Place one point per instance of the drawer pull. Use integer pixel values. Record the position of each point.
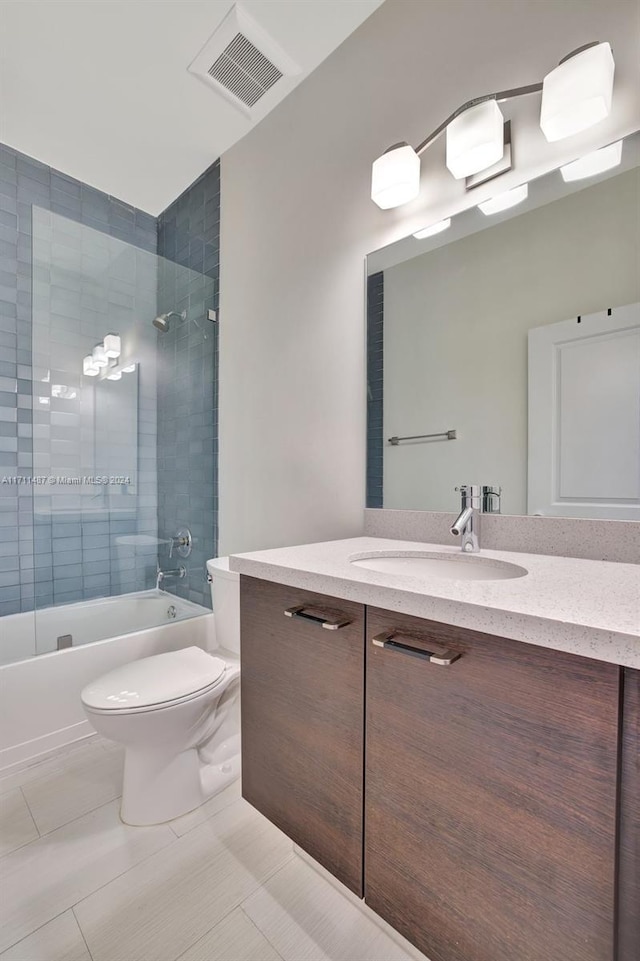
(438, 656)
(329, 623)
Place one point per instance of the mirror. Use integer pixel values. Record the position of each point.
(505, 351)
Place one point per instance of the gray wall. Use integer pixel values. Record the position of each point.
(24, 183)
(189, 237)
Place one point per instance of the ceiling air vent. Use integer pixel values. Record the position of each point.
(243, 63)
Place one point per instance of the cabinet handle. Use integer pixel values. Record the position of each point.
(329, 623)
(440, 656)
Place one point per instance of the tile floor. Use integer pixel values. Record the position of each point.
(219, 884)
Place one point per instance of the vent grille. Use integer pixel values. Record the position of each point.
(244, 71)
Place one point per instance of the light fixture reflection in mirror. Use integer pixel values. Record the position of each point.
(593, 163)
(434, 229)
(505, 200)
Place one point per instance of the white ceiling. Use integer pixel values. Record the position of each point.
(99, 88)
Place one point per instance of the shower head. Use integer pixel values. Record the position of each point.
(162, 321)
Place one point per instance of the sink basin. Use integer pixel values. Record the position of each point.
(450, 567)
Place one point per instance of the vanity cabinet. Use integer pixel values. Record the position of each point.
(302, 697)
(629, 868)
(499, 780)
(490, 812)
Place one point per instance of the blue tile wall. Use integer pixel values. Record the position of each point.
(375, 388)
(189, 237)
(28, 575)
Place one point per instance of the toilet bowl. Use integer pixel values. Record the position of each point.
(177, 715)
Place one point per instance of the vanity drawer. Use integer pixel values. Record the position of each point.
(302, 719)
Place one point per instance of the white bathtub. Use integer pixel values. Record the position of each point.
(37, 632)
(40, 695)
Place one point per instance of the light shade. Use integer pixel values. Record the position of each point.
(593, 163)
(577, 94)
(99, 356)
(116, 375)
(505, 200)
(395, 176)
(433, 229)
(89, 368)
(475, 139)
(112, 345)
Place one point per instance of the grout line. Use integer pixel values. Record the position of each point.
(24, 798)
(236, 907)
(103, 803)
(132, 867)
(209, 817)
(32, 772)
(10, 947)
(261, 932)
(81, 933)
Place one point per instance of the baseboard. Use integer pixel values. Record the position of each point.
(401, 941)
(21, 755)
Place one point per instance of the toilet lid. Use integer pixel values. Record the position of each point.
(154, 680)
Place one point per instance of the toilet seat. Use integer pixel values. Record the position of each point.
(154, 683)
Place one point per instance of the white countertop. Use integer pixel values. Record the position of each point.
(590, 608)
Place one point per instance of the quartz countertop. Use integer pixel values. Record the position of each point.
(585, 607)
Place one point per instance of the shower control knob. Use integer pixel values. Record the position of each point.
(182, 543)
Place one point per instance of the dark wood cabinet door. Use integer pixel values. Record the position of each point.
(490, 817)
(629, 862)
(303, 721)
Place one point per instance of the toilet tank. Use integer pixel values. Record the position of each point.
(225, 596)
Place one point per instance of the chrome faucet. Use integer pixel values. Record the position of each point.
(160, 574)
(467, 524)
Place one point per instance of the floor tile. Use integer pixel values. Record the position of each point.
(160, 908)
(78, 785)
(234, 939)
(39, 767)
(222, 800)
(16, 824)
(306, 918)
(44, 878)
(59, 940)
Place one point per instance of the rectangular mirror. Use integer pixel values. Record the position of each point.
(505, 351)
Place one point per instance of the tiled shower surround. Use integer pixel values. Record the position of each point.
(70, 555)
(189, 236)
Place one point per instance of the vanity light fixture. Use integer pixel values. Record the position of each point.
(112, 345)
(509, 198)
(593, 163)
(63, 392)
(475, 139)
(89, 367)
(116, 375)
(434, 229)
(395, 176)
(129, 370)
(575, 95)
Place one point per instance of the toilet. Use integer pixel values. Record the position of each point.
(177, 715)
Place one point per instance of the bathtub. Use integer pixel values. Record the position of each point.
(40, 706)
